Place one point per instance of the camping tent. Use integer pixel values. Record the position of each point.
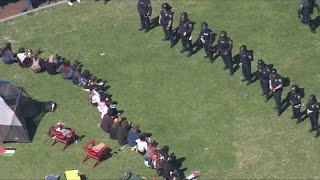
(17, 113)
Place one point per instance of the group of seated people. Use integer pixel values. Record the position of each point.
(118, 128)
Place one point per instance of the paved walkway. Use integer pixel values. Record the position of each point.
(12, 8)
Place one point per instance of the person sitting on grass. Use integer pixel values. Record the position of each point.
(65, 70)
(142, 145)
(36, 67)
(106, 123)
(51, 66)
(85, 77)
(133, 135)
(150, 157)
(122, 133)
(23, 59)
(114, 128)
(7, 54)
(76, 76)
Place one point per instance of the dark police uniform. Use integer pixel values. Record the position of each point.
(295, 100)
(263, 73)
(306, 10)
(224, 47)
(276, 81)
(187, 27)
(205, 37)
(166, 17)
(245, 60)
(145, 11)
(313, 116)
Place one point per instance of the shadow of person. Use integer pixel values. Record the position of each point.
(286, 81)
(316, 22)
(154, 23)
(236, 61)
(286, 102)
(175, 36)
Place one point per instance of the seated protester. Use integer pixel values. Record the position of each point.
(133, 135)
(142, 145)
(114, 128)
(36, 63)
(7, 54)
(23, 59)
(91, 84)
(85, 77)
(76, 76)
(58, 60)
(122, 133)
(163, 157)
(106, 123)
(150, 158)
(65, 70)
(51, 66)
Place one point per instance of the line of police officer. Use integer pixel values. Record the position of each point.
(271, 82)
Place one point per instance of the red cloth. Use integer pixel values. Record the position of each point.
(2, 150)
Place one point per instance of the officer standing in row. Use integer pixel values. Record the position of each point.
(205, 38)
(295, 101)
(275, 85)
(145, 11)
(245, 62)
(166, 20)
(224, 48)
(185, 29)
(306, 10)
(313, 113)
(263, 72)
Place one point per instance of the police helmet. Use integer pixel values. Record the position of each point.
(184, 16)
(261, 62)
(312, 98)
(166, 6)
(294, 88)
(243, 48)
(204, 26)
(274, 72)
(223, 34)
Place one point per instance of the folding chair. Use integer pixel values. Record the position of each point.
(97, 152)
(64, 136)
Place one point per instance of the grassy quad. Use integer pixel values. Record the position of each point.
(218, 124)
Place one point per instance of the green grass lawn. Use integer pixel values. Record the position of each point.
(212, 121)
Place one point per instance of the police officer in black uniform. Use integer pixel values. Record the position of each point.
(275, 85)
(185, 29)
(166, 20)
(145, 11)
(205, 38)
(295, 101)
(263, 73)
(306, 10)
(245, 63)
(313, 113)
(224, 48)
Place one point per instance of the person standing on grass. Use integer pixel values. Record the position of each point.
(306, 10)
(185, 29)
(263, 72)
(275, 86)
(245, 62)
(145, 11)
(313, 113)
(224, 49)
(206, 38)
(166, 20)
(295, 101)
